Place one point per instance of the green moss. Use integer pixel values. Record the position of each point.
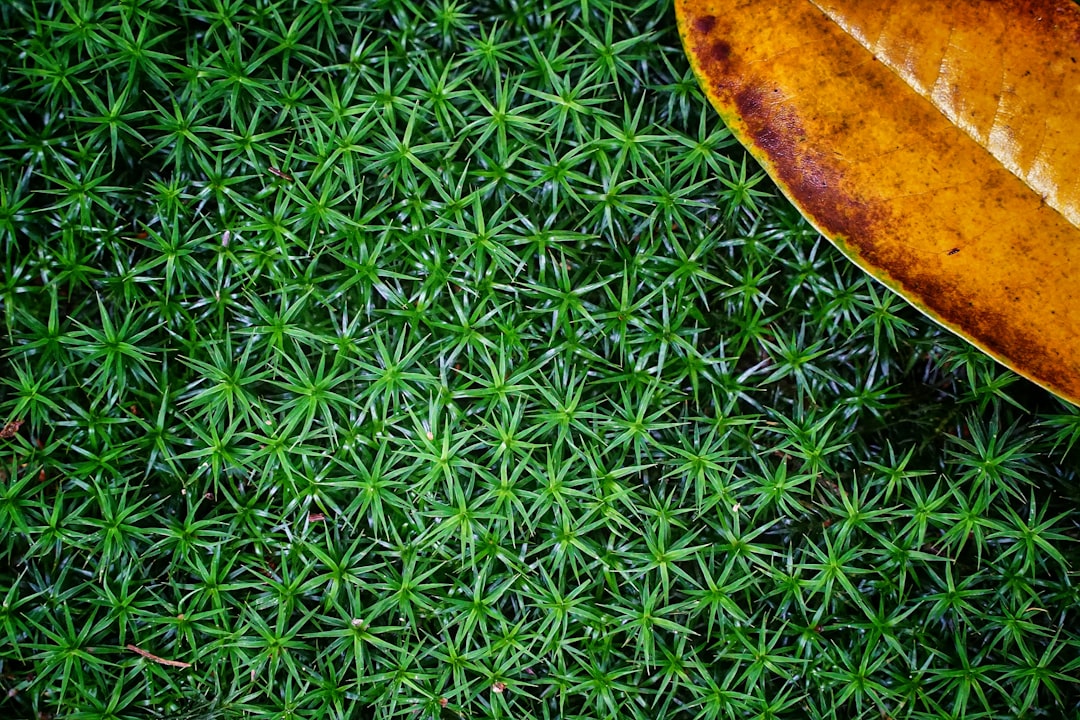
(396, 359)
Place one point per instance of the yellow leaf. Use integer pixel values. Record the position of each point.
(935, 142)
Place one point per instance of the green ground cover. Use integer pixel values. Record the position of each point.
(437, 359)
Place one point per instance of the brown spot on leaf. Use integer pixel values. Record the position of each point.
(720, 51)
(812, 178)
(748, 100)
(705, 24)
(770, 141)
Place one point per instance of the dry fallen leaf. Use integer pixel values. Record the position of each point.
(935, 142)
